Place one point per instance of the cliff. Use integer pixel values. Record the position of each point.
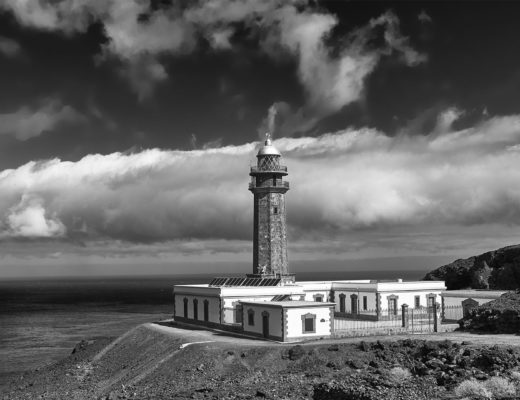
(497, 269)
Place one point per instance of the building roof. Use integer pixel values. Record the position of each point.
(477, 293)
(289, 304)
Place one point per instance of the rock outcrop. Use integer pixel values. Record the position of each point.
(501, 315)
(498, 269)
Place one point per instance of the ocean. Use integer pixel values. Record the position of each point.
(42, 320)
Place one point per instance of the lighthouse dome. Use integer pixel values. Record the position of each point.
(268, 149)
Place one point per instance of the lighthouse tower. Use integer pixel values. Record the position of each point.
(270, 230)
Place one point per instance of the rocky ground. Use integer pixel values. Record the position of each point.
(157, 362)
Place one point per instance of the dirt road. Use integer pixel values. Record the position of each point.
(202, 335)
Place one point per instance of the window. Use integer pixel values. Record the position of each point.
(309, 323)
(250, 317)
(392, 304)
(342, 303)
(195, 309)
(417, 301)
(431, 302)
(206, 310)
(275, 210)
(185, 307)
(274, 180)
(318, 298)
(354, 303)
(365, 303)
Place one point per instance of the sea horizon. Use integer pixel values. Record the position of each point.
(43, 319)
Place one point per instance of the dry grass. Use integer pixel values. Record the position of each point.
(472, 389)
(399, 375)
(501, 388)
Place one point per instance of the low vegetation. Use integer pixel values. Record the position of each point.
(147, 364)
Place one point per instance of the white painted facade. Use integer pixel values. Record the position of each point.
(288, 320)
(349, 297)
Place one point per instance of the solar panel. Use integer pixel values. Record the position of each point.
(241, 281)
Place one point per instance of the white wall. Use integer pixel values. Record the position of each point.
(457, 301)
(403, 297)
(275, 319)
(213, 305)
(309, 295)
(229, 315)
(294, 321)
(371, 301)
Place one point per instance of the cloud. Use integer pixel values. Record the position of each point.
(424, 17)
(28, 122)
(332, 78)
(349, 189)
(29, 219)
(141, 36)
(9, 47)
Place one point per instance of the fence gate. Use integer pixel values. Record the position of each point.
(421, 320)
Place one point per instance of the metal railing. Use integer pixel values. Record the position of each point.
(284, 185)
(394, 321)
(272, 168)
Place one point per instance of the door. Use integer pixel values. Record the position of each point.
(265, 325)
(354, 304)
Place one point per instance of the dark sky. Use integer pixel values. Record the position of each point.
(356, 90)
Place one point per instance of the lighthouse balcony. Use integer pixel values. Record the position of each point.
(269, 169)
(269, 185)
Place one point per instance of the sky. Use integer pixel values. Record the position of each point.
(127, 129)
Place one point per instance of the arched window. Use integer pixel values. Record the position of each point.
(354, 303)
(250, 317)
(206, 310)
(185, 300)
(342, 302)
(195, 309)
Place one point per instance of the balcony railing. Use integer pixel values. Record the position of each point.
(279, 168)
(269, 184)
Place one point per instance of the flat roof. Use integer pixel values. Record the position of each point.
(474, 293)
(289, 303)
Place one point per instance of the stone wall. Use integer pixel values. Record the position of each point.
(270, 234)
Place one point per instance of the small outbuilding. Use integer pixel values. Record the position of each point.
(458, 303)
(287, 321)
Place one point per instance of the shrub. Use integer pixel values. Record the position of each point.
(472, 389)
(515, 376)
(399, 375)
(500, 388)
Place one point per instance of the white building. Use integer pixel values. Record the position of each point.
(457, 303)
(270, 302)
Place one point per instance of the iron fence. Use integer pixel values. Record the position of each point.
(394, 321)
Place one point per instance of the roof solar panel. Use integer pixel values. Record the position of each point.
(244, 281)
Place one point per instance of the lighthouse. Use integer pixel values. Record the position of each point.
(270, 229)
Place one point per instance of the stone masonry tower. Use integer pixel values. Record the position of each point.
(270, 231)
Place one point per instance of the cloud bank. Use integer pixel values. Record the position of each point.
(352, 182)
(141, 34)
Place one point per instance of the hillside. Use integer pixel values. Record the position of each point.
(154, 361)
(498, 269)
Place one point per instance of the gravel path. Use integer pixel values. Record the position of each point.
(203, 335)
